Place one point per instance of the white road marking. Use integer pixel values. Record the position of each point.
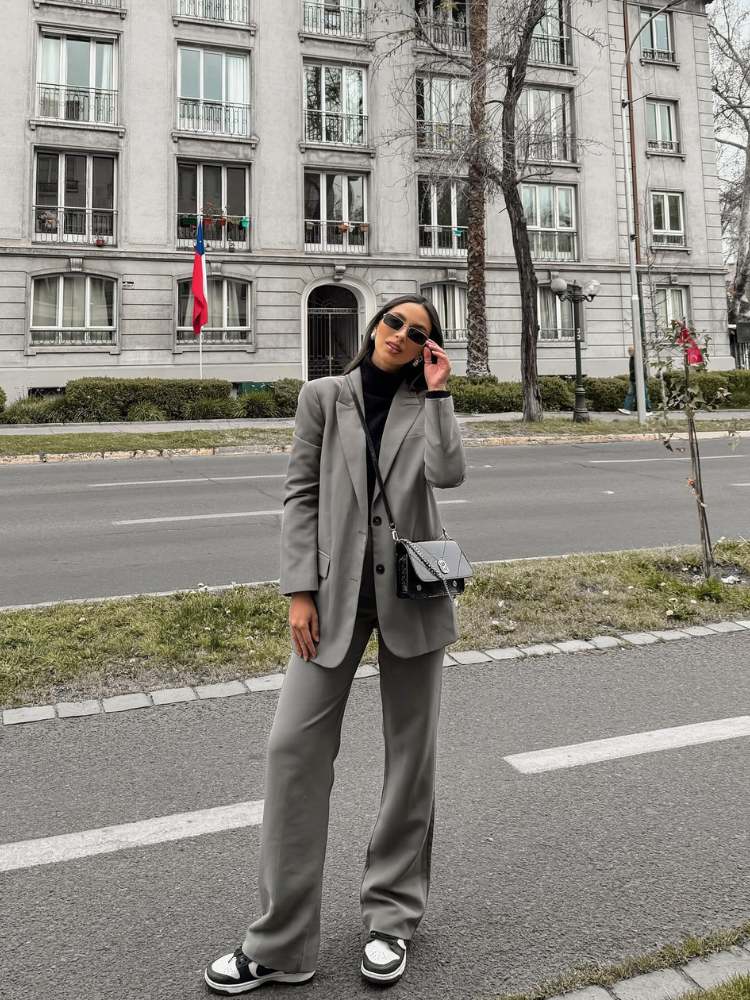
(178, 826)
(630, 461)
(575, 754)
(740, 484)
(167, 482)
(208, 517)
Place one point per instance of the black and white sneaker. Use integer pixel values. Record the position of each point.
(384, 958)
(236, 973)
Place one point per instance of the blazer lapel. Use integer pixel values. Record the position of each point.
(402, 414)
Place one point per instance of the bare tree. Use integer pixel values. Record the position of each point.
(729, 32)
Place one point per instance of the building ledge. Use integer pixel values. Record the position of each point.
(32, 349)
(250, 28)
(665, 153)
(335, 147)
(313, 36)
(35, 123)
(669, 248)
(243, 140)
(563, 67)
(95, 8)
(659, 62)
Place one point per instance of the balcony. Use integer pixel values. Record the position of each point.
(335, 128)
(77, 104)
(442, 241)
(663, 145)
(106, 4)
(441, 137)
(213, 117)
(666, 240)
(550, 244)
(552, 146)
(445, 34)
(555, 50)
(222, 232)
(72, 336)
(336, 236)
(556, 333)
(337, 22)
(236, 335)
(84, 226)
(658, 55)
(219, 11)
(454, 333)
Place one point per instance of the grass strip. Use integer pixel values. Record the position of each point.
(99, 441)
(70, 651)
(667, 957)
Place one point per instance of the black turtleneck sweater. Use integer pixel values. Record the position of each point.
(378, 388)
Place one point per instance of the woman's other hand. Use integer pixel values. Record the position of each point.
(303, 621)
(435, 375)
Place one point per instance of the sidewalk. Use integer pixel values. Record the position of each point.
(141, 426)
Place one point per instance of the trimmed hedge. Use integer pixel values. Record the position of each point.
(52, 410)
(111, 398)
(3, 400)
(145, 411)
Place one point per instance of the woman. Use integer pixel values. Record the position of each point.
(338, 567)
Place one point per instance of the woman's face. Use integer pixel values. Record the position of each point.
(412, 314)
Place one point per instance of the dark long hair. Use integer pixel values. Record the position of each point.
(417, 381)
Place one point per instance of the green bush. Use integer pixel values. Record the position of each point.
(557, 393)
(212, 409)
(111, 398)
(738, 383)
(499, 397)
(285, 392)
(605, 393)
(260, 403)
(3, 400)
(145, 411)
(52, 410)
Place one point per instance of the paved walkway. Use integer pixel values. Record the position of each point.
(131, 427)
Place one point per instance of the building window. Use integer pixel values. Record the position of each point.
(556, 319)
(332, 17)
(335, 104)
(442, 112)
(551, 220)
(656, 38)
(449, 299)
(550, 42)
(72, 309)
(443, 24)
(217, 195)
(443, 217)
(546, 124)
(223, 11)
(213, 92)
(228, 312)
(76, 79)
(661, 126)
(670, 305)
(335, 212)
(74, 198)
(668, 219)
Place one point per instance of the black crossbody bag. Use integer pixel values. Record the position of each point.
(431, 568)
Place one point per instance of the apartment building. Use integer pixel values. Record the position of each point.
(310, 160)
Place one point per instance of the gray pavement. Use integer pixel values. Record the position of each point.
(79, 529)
(532, 873)
(212, 425)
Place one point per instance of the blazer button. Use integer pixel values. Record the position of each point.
(377, 519)
(380, 568)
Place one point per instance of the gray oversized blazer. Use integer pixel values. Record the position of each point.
(324, 522)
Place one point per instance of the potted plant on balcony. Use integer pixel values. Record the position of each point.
(343, 227)
(364, 226)
(100, 241)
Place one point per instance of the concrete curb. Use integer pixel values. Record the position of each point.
(273, 449)
(695, 976)
(272, 682)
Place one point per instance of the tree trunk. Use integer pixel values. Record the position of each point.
(477, 358)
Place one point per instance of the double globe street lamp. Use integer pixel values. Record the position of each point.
(572, 292)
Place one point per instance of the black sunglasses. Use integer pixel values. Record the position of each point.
(413, 333)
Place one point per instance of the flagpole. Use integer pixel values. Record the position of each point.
(200, 335)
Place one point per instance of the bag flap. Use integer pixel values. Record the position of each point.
(441, 555)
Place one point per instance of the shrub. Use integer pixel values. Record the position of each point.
(260, 403)
(557, 393)
(100, 398)
(51, 410)
(285, 392)
(145, 411)
(605, 393)
(212, 409)
(3, 400)
(500, 397)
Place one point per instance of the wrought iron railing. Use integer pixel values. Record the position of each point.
(658, 55)
(664, 145)
(442, 241)
(550, 244)
(335, 127)
(225, 11)
(239, 335)
(213, 117)
(553, 146)
(336, 236)
(556, 333)
(229, 232)
(440, 137)
(60, 224)
(342, 22)
(454, 333)
(446, 34)
(71, 336)
(669, 239)
(110, 4)
(552, 49)
(77, 104)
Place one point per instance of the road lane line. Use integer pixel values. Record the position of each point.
(575, 754)
(197, 479)
(178, 826)
(675, 458)
(208, 517)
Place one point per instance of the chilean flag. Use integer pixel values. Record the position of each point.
(200, 284)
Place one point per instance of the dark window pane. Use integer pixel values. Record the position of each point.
(236, 190)
(423, 197)
(356, 198)
(462, 204)
(444, 204)
(312, 196)
(187, 187)
(184, 304)
(44, 308)
(46, 178)
(75, 181)
(103, 191)
(212, 200)
(334, 202)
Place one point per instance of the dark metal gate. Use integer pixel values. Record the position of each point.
(332, 331)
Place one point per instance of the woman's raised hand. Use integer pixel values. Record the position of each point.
(303, 622)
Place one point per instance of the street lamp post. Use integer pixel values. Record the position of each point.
(572, 292)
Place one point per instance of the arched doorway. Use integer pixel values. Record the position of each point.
(332, 330)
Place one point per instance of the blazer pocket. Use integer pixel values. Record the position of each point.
(324, 561)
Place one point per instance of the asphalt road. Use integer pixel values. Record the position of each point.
(107, 528)
(532, 873)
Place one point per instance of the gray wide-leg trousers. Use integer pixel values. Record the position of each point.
(302, 747)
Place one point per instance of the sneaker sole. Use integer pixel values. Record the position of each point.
(385, 977)
(275, 977)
